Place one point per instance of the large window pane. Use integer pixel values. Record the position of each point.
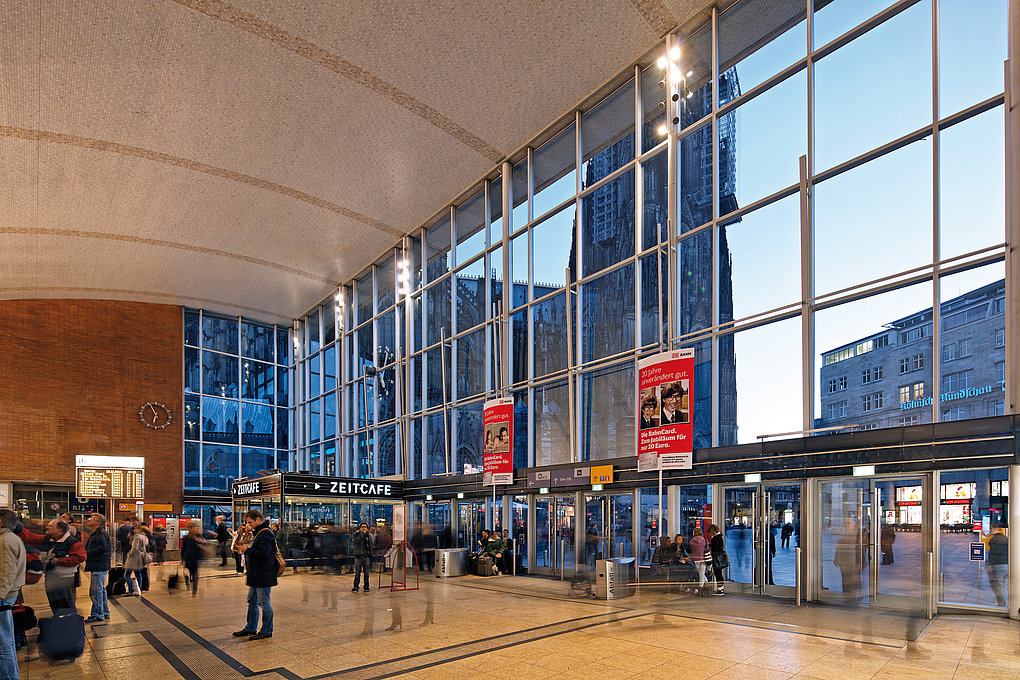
(329, 416)
(283, 385)
(386, 332)
(549, 319)
(653, 107)
(552, 424)
(192, 465)
(386, 390)
(874, 361)
(556, 236)
(364, 297)
(608, 321)
(253, 460)
(435, 377)
(759, 38)
(471, 364)
(385, 281)
(313, 425)
(703, 388)
(694, 179)
(895, 191)
(219, 334)
(694, 282)
(836, 17)
(519, 346)
(220, 466)
(768, 379)
(607, 413)
(329, 369)
(519, 188)
(607, 219)
(471, 309)
(282, 428)
(694, 77)
(438, 313)
(656, 200)
(386, 450)
(555, 171)
(607, 135)
(437, 250)
(192, 371)
(972, 181)
(312, 333)
(219, 374)
(858, 104)
(192, 417)
(257, 381)
(469, 437)
(972, 344)
(256, 424)
(436, 459)
(972, 47)
(759, 284)
(191, 327)
(520, 429)
(283, 347)
(495, 210)
(312, 374)
(519, 269)
(760, 144)
(219, 420)
(257, 341)
(470, 223)
(328, 323)
(653, 309)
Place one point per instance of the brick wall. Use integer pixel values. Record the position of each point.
(75, 373)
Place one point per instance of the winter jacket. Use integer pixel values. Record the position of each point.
(135, 560)
(361, 544)
(12, 564)
(61, 556)
(97, 551)
(260, 559)
(699, 548)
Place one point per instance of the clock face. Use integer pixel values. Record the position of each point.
(155, 415)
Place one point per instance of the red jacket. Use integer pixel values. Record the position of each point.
(67, 551)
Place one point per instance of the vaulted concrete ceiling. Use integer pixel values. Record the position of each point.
(248, 157)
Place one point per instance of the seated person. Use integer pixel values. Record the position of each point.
(495, 548)
(507, 567)
(664, 556)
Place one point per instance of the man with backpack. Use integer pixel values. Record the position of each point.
(12, 577)
(61, 553)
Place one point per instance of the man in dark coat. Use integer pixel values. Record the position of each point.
(124, 537)
(260, 561)
(222, 538)
(98, 551)
(361, 547)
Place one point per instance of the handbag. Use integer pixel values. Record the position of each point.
(147, 558)
(281, 564)
(722, 561)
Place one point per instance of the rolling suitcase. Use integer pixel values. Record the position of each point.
(62, 636)
(485, 565)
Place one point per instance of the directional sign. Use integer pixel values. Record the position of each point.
(977, 552)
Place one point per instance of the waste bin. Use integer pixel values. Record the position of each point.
(451, 562)
(613, 578)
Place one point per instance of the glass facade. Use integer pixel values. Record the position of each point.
(835, 235)
(237, 407)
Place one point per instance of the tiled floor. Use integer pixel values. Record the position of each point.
(519, 628)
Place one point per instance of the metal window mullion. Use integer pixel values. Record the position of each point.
(1012, 235)
(807, 237)
(508, 283)
(936, 307)
(639, 202)
(717, 377)
(672, 218)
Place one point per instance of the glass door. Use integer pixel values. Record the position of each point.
(470, 522)
(762, 535)
(860, 520)
(555, 536)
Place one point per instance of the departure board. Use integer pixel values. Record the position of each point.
(109, 483)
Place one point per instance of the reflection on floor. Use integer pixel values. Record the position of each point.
(518, 627)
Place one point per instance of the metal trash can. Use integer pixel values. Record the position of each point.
(613, 577)
(451, 562)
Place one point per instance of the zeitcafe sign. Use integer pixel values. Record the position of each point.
(319, 487)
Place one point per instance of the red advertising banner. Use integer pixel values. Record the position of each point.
(665, 411)
(498, 441)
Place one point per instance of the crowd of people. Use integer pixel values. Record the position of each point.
(691, 562)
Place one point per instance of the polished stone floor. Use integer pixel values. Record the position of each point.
(518, 627)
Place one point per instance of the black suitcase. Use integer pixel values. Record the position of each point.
(485, 565)
(115, 583)
(62, 636)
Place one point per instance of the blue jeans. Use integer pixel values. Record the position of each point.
(259, 597)
(362, 565)
(97, 591)
(8, 657)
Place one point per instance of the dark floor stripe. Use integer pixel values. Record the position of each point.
(171, 658)
(124, 612)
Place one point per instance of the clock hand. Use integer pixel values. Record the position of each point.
(153, 408)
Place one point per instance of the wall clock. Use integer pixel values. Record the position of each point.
(155, 415)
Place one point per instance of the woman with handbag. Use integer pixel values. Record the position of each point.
(138, 558)
(720, 560)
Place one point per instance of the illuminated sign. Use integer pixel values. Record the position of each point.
(951, 396)
(908, 495)
(91, 482)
